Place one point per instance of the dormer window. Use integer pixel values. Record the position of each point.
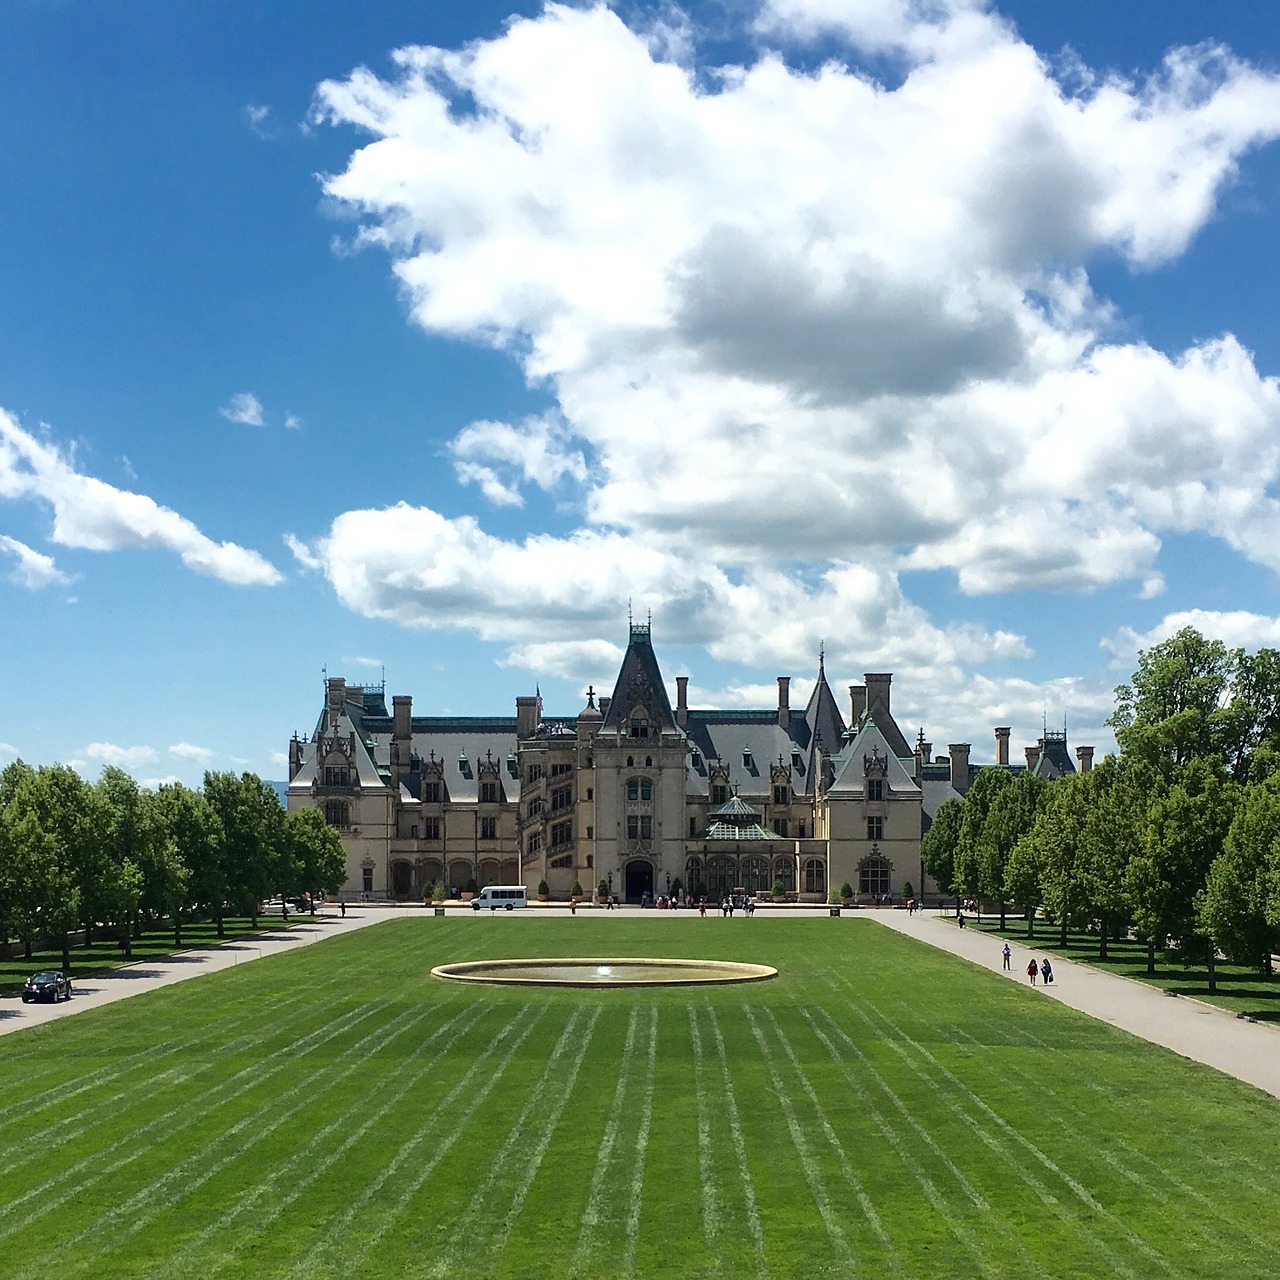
(746, 757)
(875, 788)
(462, 761)
(639, 727)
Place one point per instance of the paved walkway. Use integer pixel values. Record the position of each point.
(1249, 1051)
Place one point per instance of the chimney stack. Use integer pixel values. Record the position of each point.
(1084, 759)
(784, 701)
(682, 700)
(402, 712)
(960, 772)
(337, 695)
(527, 717)
(1002, 744)
(1033, 757)
(877, 685)
(857, 704)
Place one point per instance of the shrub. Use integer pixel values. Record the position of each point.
(603, 888)
(846, 890)
(544, 890)
(576, 891)
(908, 890)
(471, 886)
(779, 889)
(439, 892)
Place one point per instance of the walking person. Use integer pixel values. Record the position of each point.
(1032, 970)
(1008, 955)
(1046, 971)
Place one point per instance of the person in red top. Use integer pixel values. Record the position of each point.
(1032, 970)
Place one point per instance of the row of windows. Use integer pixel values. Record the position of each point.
(337, 775)
(722, 874)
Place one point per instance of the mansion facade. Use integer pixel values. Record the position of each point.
(634, 792)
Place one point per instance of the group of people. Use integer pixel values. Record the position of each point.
(1035, 969)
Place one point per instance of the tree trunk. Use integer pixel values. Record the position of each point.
(1002, 913)
(1031, 922)
(177, 928)
(217, 915)
(1151, 957)
(1211, 967)
(1102, 938)
(26, 948)
(1062, 934)
(66, 953)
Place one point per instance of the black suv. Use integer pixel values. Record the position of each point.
(48, 984)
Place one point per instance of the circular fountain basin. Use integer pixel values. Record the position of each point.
(626, 971)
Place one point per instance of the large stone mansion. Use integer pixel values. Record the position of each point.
(635, 792)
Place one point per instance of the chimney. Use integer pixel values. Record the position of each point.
(923, 753)
(682, 700)
(295, 756)
(784, 701)
(1084, 758)
(877, 691)
(402, 711)
(1002, 745)
(960, 772)
(1033, 757)
(527, 717)
(604, 706)
(857, 703)
(337, 695)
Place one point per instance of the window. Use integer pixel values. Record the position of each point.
(561, 798)
(875, 828)
(535, 842)
(564, 860)
(693, 828)
(488, 793)
(488, 828)
(873, 877)
(639, 826)
(336, 775)
(591, 793)
(413, 833)
(431, 828)
(800, 825)
(366, 879)
(785, 870)
(591, 833)
(815, 876)
(561, 833)
(639, 789)
(633, 789)
(875, 788)
(337, 813)
(535, 806)
(639, 725)
(559, 770)
(719, 793)
(535, 772)
(780, 826)
(431, 792)
(781, 795)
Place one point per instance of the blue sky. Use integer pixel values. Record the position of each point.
(940, 335)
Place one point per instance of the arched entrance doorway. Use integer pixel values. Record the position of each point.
(401, 879)
(639, 879)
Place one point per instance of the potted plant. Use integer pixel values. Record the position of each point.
(438, 892)
(427, 890)
(576, 891)
(846, 894)
(602, 891)
(544, 891)
(908, 891)
(779, 891)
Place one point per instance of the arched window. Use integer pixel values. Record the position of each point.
(873, 877)
(639, 788)
(815, 876)
(722, 875)
(784, 869)
(693, 875)
(755, 875)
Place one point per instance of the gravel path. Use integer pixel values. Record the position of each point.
(1249, 1051)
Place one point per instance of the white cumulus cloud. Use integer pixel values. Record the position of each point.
(188, 751)
(246, 408)
(33, 570)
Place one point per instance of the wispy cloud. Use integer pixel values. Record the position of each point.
(33, 570)
(187, 751)
(362, 662)
(122, 757)
(261, 121)
(246, 408)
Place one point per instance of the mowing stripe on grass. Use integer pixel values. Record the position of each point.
(1073, 1121)
(739, 1143)
(589, 1225)
(126, 1219)
(513, 1153)
(171, 1122)
(641, 1148)
(979, 1251)
(454, 1029)
(808, 1161)
(898, 1038)
(328, 1253)
(706, 1169)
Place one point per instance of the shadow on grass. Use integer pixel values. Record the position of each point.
(1241, 989)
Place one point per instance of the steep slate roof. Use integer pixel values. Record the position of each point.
(822, 717)
(639, 683)
(363, 758)
(849, 765)
(722, 737)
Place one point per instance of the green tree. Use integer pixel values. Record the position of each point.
(314, 852)
(1059, 835)
(1186, 826)
(1238, 907)
(1022, 884)
(250, 843)
(1115, 796)
(987, 785)
(1011, 815)
(186, 844)
(938, 845)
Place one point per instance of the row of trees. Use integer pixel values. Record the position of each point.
(78, 855)
(1176, 839)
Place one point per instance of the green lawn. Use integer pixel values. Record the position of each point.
(1241, 988)
(880, 1109)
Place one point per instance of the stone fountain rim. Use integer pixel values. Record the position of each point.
(489, 972)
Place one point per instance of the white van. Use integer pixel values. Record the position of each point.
(508, 896)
